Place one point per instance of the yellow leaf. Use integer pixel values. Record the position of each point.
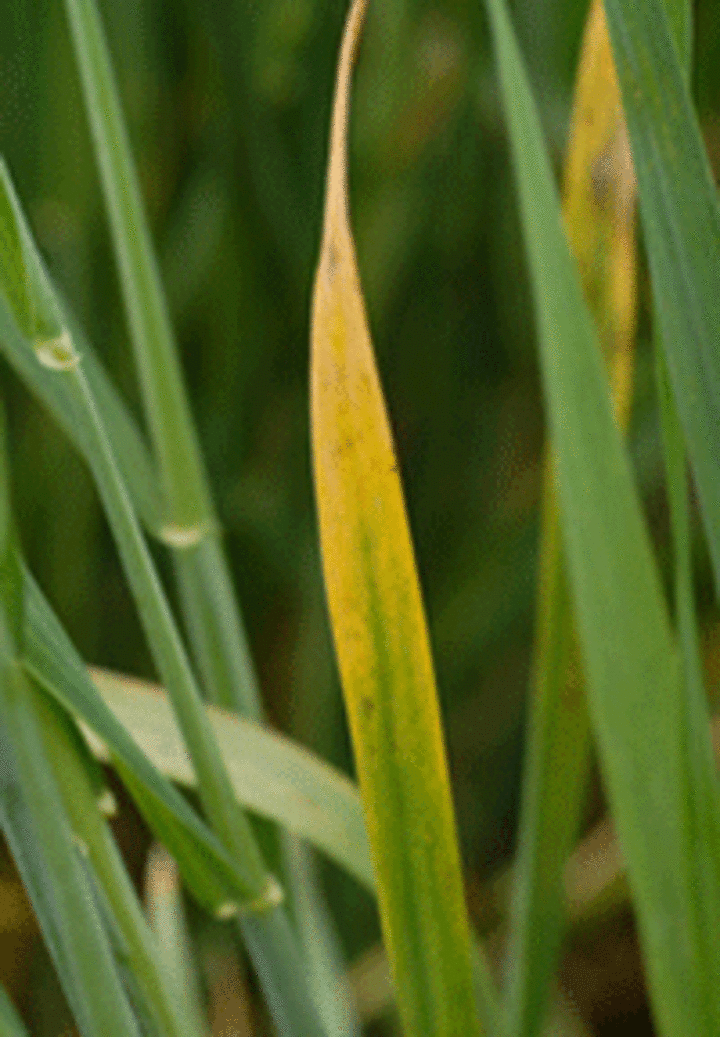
(380, 631)
(599, 204)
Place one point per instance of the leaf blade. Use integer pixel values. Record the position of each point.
(598, 211)
(380, 632)
(681, 223)
(633, 675)
(52, 660)
(271, 775)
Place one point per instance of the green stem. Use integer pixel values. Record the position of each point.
(87, 965)
(274, 947)
(555, 773)
(10, 1023)
(214, 784)
(171, 426)
(216, 628)
(69, 759)
(163, 898)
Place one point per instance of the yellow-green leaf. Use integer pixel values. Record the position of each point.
(380, 631)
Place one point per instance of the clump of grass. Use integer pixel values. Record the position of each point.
(611, 667)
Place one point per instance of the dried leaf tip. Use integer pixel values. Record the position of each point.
(336, 201)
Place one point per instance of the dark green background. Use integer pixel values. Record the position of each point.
(228, 107)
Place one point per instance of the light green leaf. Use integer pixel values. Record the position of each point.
(601, 230)
(681, 225)
(134, 727)
(271, 775)
(34, 822)
(52, 660)
(10, 1022)
(19, 343)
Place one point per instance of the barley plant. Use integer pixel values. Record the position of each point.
(174, 865)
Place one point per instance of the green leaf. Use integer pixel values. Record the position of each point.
(703, 819)
(681, 225)
(22, 277)
(52, 660)
(76, 773)
(632, 669)
(271, 775)
(10, 1022)
(173, 946)
(39, 835)
(323, 954)
(601, 230)
(20, 348)
(703, 809)
(166, 407)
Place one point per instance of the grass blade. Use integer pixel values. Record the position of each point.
(681, 224)
(163, 895)
(599, 217)
(703, 816)
(632, 669)
(171, 427)
(35, 824)
(380, 632)
(271, 775)
(25, 324)
(40, 840)
(72, 764)
(10, 1022)
(52, 660)
(554, 784)
(703, 813)
(323, 955)
(191, 530)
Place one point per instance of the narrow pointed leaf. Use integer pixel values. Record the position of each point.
(632, 669)
(681, 225)
(37, 829)
(165, 402)
(599, 218)
(703, 816)
(52, 660)
(272, 776)
(36, 315)
(380, 632)
(52, 875)
(11, 1024)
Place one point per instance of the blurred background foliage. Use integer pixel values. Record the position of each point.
(228, 104)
